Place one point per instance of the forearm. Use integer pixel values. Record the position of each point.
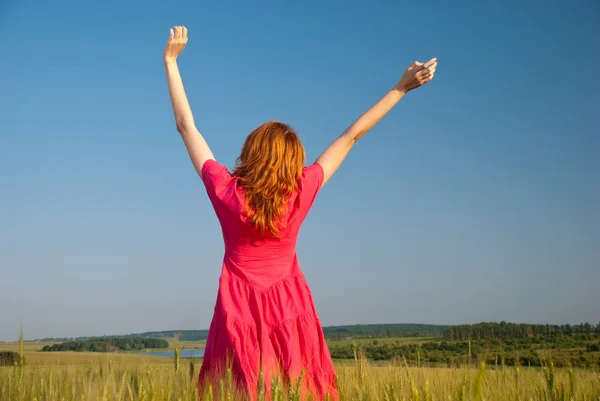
(181, 107)
(335, 154)
(415, 75)
(372, 116)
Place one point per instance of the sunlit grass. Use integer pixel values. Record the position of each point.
(120, 376)
(72, 358)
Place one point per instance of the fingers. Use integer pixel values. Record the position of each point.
(431, 62)
(426, 74)
(432, 68)
(179, 32)
(423, 76)
(415, 66)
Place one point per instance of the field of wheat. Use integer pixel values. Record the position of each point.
(132, 377)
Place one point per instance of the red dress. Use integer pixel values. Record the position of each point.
(264, 317)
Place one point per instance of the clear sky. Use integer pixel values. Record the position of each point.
(476, 199)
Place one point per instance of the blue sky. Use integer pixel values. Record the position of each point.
(475, 199)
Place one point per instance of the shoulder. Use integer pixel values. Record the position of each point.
(213, 169)
(312, 174)
(217, 179)
(308, 187)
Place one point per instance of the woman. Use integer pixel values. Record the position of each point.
(265, 325)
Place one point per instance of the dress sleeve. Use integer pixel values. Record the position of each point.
(310, 183)
(216, 179)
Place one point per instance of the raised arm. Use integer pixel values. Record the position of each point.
(415, 75)
(194, 142)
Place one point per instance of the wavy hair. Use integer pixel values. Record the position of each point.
(269, 168)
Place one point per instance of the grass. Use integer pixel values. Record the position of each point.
(91, 359)
(74, 376)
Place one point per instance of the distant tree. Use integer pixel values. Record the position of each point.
(568, 329)
(108, 345)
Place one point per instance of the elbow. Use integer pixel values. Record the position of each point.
(184, 126)
(356, 136)
(352, 136)
(355, 132)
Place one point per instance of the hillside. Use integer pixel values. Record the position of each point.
(331, 332)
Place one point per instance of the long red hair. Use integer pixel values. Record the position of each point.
(269, 168)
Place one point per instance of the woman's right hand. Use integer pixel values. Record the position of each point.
(417, 74)
(176, 43)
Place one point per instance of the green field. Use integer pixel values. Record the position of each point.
(127, 376)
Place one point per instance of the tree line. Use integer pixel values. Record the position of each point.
(184, 335)
(516, 330)
(108, 345)
(331, 332)
(383, 330)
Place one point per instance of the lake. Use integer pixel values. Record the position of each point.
(184, 353)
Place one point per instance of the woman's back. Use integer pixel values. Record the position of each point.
(264, 318)
(258, 259)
